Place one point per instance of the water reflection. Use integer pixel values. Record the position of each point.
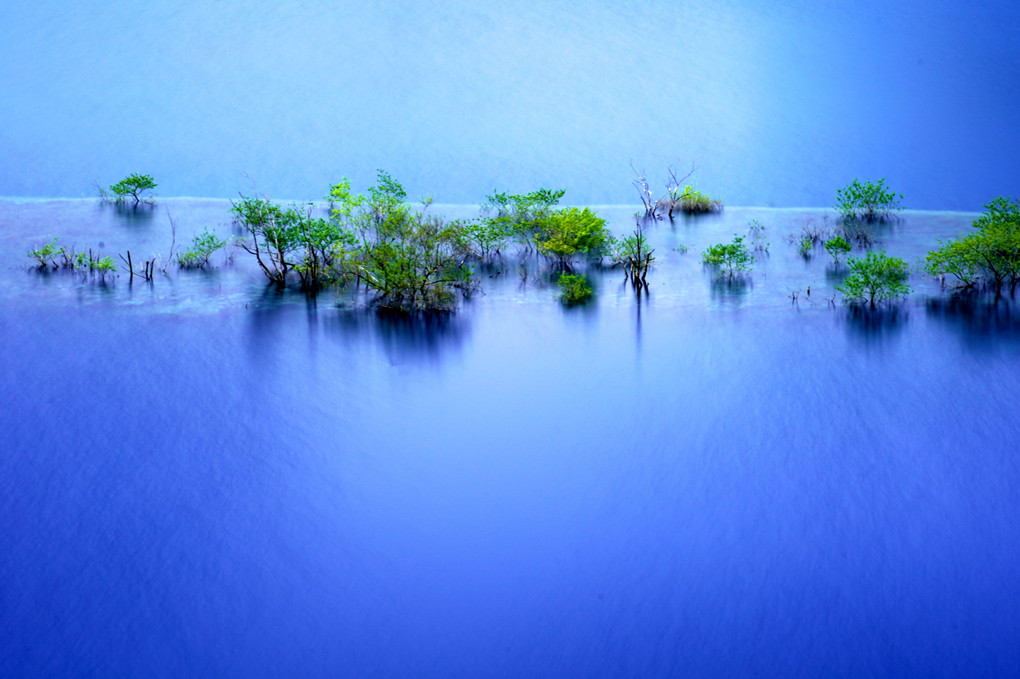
(874, 326)
(403, 337)
(981, 323)
(731, 290)
(140, 214)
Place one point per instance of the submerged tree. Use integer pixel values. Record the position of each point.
(867, 200)
(875, 278)
(990, 254)
(564, 234)
(729, 258)
(134, 186)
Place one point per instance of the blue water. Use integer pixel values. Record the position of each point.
(201, 477)
(775, 105)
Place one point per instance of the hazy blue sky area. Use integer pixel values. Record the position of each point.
(775, 105)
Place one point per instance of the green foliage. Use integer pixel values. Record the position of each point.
(47, 255)
(694, 202)
(837, 246)
(563, 234)
(756, 232)
(875, 278)
(867, 200)
(729, 258)
(516, 216)
(487, 237)
(632, 252)
(133, 186)
(416, 264)
(805, 246)
(957, 258)
(574, 289)
(202, 247)
(343, 203)
(991, 253)
(386, 197)
(288, 239)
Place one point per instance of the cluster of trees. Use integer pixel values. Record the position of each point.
(988, 257)
(407, 258)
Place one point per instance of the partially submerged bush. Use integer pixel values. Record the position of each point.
(837, 246)
(805, 246)
(574, 289)
(756, 232)
(729, 258)
(633, 254)
(567, 233)
(867, 200)
(875, 278)
(134, 186)
(46, 256)
(696, 202)
(202, 246)
(416, 264)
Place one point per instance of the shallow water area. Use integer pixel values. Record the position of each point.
(203, 477)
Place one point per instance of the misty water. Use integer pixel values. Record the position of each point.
(204, 477)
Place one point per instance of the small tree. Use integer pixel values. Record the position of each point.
(633, 254)
(837, 246)
(875, 278)
(134, 186)
(202, 247)
(729, 258)
(867, 200)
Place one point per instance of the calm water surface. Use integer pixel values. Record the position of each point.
(200, 478)
(776, 104)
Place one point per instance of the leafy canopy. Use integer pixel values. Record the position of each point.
(868, 200)
(729, 258)
(569, 232)
(574, 289)
(875, 278)
(132, 186)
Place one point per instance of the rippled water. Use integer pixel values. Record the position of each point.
(202, 479)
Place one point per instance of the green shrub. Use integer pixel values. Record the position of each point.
(202, 247)
(566, 233)
(133, 186)
(867, 200)
(694, 202)
(837, 246)
(875, 278)
(46, 256)
(418, 264)
(729, 258)
(286, 240)
(805, 246)
(574, 289)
